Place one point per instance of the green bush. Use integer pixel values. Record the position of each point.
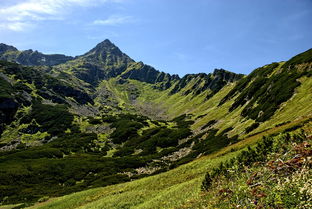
(206, 184)
(53, 119)
(125, 130)
(6, 89)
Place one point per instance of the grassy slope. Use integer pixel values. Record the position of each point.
(167, 190)
(298, 105)
(177, 186)
(153, 102)
(178, 104)
(280, 179)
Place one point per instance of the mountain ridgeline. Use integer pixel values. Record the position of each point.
(30, 57)
(72, 123)
(106, 61)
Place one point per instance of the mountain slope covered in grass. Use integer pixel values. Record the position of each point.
(182, 186)
(102, 118)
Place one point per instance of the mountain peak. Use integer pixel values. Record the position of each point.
(105, 43)
(105, 47)
(106, 52)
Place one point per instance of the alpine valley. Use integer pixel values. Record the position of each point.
(101, 130)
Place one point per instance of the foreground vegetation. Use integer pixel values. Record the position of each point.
(275, 173)
(75, 161)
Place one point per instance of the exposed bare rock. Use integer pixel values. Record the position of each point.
(178, 154)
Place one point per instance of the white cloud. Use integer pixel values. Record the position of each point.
(16, 26)
(26, 13)
(114, 20)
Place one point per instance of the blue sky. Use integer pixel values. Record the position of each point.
(175, 36)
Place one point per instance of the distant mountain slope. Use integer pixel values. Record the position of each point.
(213, 82)
(30, 57)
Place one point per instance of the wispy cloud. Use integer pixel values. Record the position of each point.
(114, 20)
(25, 14)
(15, 26)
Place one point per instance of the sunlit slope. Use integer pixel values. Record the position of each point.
(203, 110)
